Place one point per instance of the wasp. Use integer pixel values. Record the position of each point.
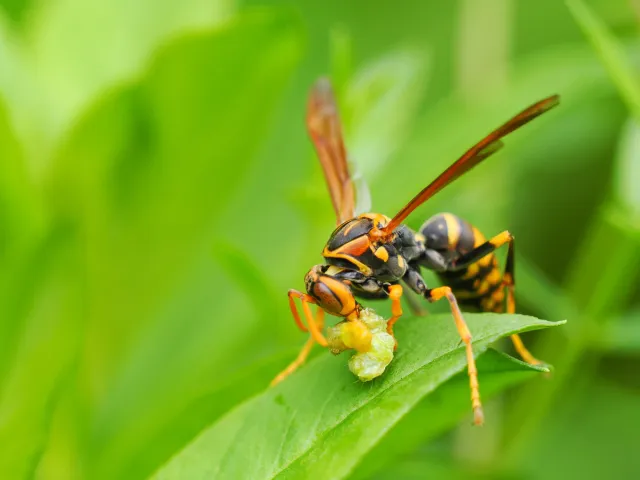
(371, 255)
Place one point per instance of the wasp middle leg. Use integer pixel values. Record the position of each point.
(415, 281)
(436, 294)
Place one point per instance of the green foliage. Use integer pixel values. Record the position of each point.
(159, 195)
(610, 53)
(296, 429)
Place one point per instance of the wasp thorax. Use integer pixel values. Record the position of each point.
(352, 230)
(352, 246)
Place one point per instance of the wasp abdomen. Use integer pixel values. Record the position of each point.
(479, 285)
(449, 234)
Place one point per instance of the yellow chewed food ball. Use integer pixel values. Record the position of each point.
(374, 346)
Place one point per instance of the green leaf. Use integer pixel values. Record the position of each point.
(165, 159)
(16, 9)
(82, 47)
(619, 335)
(442, 409)
(296, 429)
(590, 408)
(385, 92)
(48, 315)
(170, 435)
(610, 53)
(627, 172)
(147, 175)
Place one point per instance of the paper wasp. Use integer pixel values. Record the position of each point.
(368, 255)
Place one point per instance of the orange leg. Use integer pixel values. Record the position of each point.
(445, 292)
(395, 293)
(518, 344)
(315, 330)
(304, 353)
(509, 282)
(293, 294)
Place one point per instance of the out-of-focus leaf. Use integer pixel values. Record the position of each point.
(601, 289)
(296, 429)
(589, 409)
(49, 313)
(20, 97)
(627, 176)
(164, 159)
(21, 227)
(341, 67)
(146, 175)
(80, 47)
(19, 215)
(169, 435)
(611, 54)
(421, 466)
(539, 294)
(442, 409)
(618, 336)
(16, 9)
(382, 101)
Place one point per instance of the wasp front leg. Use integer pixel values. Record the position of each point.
(304, 353)
(315, 329)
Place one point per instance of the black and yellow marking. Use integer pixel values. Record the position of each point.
(474, 276)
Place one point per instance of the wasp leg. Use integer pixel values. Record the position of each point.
(316, 332)
(436, 294)
(395, 293)
(509, 281)
(481, 251)
(304, 353)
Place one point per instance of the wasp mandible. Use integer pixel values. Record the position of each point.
(369, 255)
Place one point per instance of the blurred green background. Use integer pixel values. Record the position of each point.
(159, 195)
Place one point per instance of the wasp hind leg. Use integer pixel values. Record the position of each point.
(315, 332)
(509, 282)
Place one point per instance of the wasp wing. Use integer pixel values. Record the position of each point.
(325, 130)
(363, 194)
(472, 157)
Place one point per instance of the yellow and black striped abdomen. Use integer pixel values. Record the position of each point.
(478, 287)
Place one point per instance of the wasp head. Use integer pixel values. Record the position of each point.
(332, 295)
